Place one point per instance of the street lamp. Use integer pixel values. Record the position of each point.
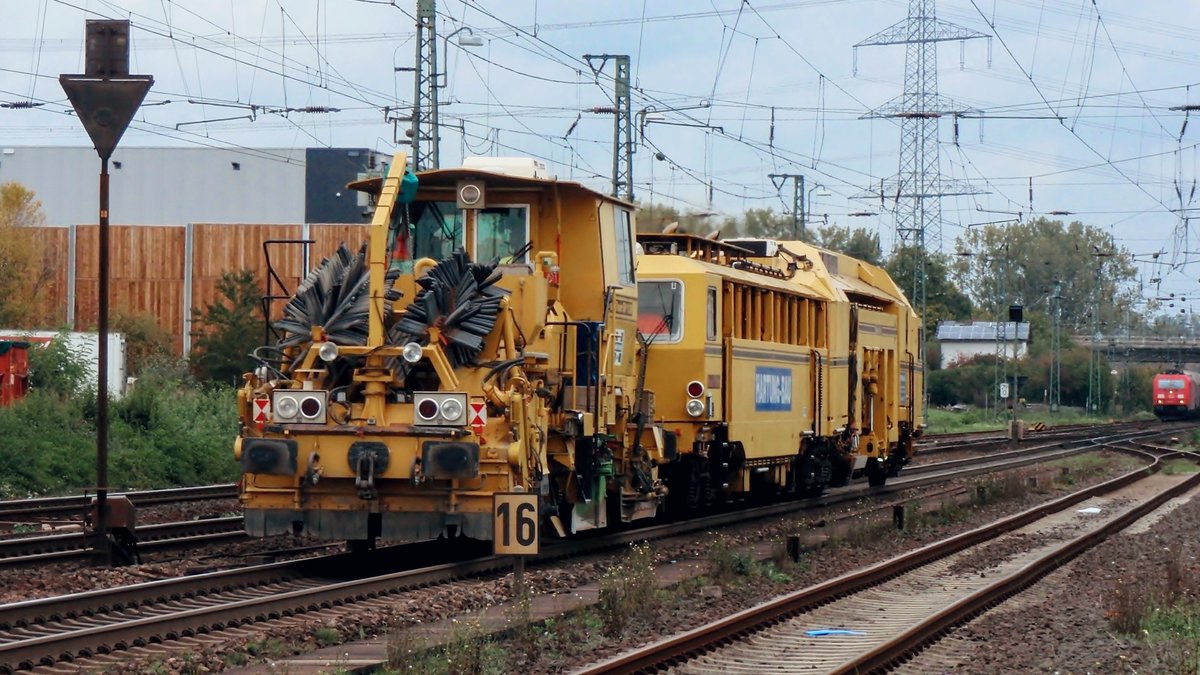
(468, 40)
(425, 25)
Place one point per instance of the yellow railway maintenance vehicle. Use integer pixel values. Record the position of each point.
(780, 368)
(497, 333)
(483, 341)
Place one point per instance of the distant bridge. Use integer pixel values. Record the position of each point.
(1139, 349)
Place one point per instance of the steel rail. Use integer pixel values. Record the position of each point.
(966, 443)
(26, 551)
(681, 648)
(919, 636)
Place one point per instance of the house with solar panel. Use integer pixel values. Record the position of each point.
(963, 340)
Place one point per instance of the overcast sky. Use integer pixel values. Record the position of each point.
(1073, 94)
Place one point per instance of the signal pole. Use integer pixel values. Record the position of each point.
(105, 98)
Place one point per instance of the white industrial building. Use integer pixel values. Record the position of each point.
(961, 341)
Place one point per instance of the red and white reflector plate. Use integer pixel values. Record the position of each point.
(478, 416)
(262, 410)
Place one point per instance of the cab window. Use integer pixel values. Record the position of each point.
(500, 233)
(710, 323)
(435, 229)
(1173, 383)
(660, 310)
(624, 247)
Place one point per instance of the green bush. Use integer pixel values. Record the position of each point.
(57, 368)
(166, 432)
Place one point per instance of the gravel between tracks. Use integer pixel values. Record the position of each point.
(681, 610)
(1066, 622)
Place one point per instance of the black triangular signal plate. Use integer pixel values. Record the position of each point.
(106, 105)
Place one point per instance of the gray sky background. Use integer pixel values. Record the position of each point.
(1117, 159)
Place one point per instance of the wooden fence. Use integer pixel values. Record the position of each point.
(168, 270)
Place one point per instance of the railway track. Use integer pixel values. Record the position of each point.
(73, 506)
(36, 550)
(32, 551)
(50, 630)
(874, 619)
(986, 440)
(47, 508)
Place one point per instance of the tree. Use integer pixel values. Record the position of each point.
(763, 223)
(943, 300)
(857, 243)
(27, 268)
(228, 329)
(654, 217)
(1029, 261)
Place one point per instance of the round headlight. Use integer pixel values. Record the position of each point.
(427, 409)
(310, 407)
(451, 409)
(695, 407)
(411, 352)
(286, 407)
(328, 352)
(470, 194)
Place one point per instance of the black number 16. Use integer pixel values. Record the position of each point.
(526, 528)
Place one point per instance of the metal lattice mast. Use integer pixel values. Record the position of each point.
(1056, 348)
(425, 105)
(919, 186)
(622, 112)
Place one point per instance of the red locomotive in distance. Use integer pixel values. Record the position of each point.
(1176, 395)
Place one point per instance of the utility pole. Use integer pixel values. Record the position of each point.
(799, 220)
(622, 112)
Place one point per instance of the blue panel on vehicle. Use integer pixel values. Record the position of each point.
(772, 388)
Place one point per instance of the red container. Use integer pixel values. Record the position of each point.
(14, 371)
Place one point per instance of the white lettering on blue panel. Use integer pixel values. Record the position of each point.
(772, 388)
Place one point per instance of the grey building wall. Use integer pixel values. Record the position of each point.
(329, 170)
(176, 186)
